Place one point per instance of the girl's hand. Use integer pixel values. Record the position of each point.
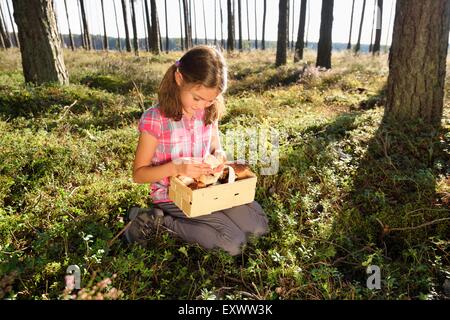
(193, 170)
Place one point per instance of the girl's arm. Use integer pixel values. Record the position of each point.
(143, 171)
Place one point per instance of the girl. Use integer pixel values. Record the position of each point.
(184, 123)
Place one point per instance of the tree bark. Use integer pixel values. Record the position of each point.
(148, 25)
(125, 23)
(187, 26)
(349, 45)
(373, 25)
(263, 41)
(417, 61)
(325, 40)
(194, 12)
(377, 44)
(167, 26)
(155, 29)
(42, 57)
(135, 35)
(181, 27)
(248, 27)
(256, 28)
(281, 57)
(299, 46)
(105, 36)
(68, 25)
(230, 41)
(4, 30)
(221, 24)
(83, 39)
(16, 40)
(87, 36)
(204, 21)
(240, 24)
(118, 44)
(358, 43)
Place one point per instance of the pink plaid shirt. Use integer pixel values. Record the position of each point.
(176, 139)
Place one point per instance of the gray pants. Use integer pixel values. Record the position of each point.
(226, 229)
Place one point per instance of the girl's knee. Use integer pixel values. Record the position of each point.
(261, 224)
(234, 244)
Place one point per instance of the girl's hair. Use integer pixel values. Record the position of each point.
(202, 65)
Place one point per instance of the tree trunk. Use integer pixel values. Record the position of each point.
(167, 26)
(215, 22)
(68, 25)
(307, 26)
(16, 40)
(293, 24)
(221, 24)
(358, 43)
(281, 57)
(83, 39)
(417, 61)
(155, 29)
(118, 44)
(133, 23)
(187, 27)
(4, 30)
(349, 45)
(240, 24)
(181, 26)
(230, 41)
(248, 27)
(373, 24)
(263, 43)
(256, 28)
(87, 36)
(325, 39)
(125, 23)
(299, 46)
(204, 21)
(376, 46)
(42, 57)
(105, 36)
(195, 22)
(148, 25)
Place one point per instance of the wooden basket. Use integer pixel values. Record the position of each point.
(203, 201)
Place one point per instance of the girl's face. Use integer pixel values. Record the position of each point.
(195, 98)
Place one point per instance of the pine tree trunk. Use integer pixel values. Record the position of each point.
(248, 26)
(195, 22)
(4, 30)
(70, 31)
(281, 57)
(256, 28)
(125, 23)
(82, 37)
(376, 46)
(373, 24)
(215, 22)
(349, 45)
(87, 36)
(325, 41)
(16, 40)
(167, 26)
(417, 61)
(105, 36)
(240, 24)
(358, 43)
(155, 47)
(221, 24)
(204, 22)
(148, 25)
(263, 41)
(135, 35)
(299, 46)
(181, 27)
(118, 44)
(187, 28)
(42, 57)
(230, 41)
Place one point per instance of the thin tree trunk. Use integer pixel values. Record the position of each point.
(373, 24)
(299, 46)
(288, 22)
(125, 23)
(38, 33)
(307, 26)
(148, 25)
(389, 26)
(133, 22)
(155, 28)
(240, 24)
(248, 27)
(358, 44)
(221, 24)
(230, 41)
(293, 25)
(181, 26)
(195, 21)
(118, 44)
(204, 21)
(167, 26)
(145, 21)
(87, 36)
(105, 36)
(326, 29)
(263, 44)
(376, 46)
(281, 57)
(4, 30)
(256, 28)
(17, 43)
(187, 27)
(349, 45)
(82, 37)
(215, 22)
(68, 25)
(418, 91)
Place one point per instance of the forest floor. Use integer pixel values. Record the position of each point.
(350, 191)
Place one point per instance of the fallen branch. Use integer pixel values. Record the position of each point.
(387, 230)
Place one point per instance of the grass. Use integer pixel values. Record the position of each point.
(351, 190)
